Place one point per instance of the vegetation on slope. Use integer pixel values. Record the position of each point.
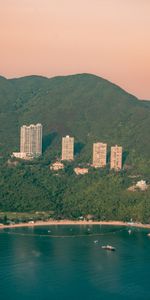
(90, 109)
(104, 194)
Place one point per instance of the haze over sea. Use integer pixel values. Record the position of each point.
(65, 262)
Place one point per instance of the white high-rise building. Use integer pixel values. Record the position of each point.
(31, 140)
(67, 148)
(116, 158)
(99, 155)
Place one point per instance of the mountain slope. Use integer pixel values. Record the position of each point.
(84, 105)
(91, 109)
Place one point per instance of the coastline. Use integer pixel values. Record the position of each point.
(70, 222)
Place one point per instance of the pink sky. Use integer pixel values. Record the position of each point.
(110, 38)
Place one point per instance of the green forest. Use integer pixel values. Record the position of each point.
(91, 109)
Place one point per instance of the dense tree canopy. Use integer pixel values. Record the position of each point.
(91, 109)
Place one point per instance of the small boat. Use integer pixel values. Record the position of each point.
(148, 234)
(108, 247)
(96, 241)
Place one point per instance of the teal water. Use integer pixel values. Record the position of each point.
(65, 263)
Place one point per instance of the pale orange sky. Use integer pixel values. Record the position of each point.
(110, 38)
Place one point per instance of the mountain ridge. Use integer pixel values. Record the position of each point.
(34, 76)
(63, 76)
(84, 105)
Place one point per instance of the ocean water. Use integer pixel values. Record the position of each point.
(65, 262)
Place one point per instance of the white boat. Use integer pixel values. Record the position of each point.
(96, 241)
(108, 247)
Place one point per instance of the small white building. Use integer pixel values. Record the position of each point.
(81, 171)
(22, 155)
(56, 166)
(142, 185)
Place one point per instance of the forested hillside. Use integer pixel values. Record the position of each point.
(91, 109)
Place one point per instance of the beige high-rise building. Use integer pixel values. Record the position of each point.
(67, 148)
(99, 155)
(116, 158)
(31, 140)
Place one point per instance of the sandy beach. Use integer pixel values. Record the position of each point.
(70, 222)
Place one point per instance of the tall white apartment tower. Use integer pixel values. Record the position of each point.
(99, 155)
(67, 148)
(31, 140)
(116, 158)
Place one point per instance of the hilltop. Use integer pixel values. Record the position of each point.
(84, 105)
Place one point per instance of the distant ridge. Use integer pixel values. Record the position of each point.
(87, 106)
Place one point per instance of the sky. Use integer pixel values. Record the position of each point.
(109, 38)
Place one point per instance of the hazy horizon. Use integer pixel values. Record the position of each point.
(107, 38)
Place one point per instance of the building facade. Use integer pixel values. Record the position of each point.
(56, 166)
(99, 155)
(20, 155)
(31, 140)
(81, 171)
(142, 185)
(116, 158)
(68, 148)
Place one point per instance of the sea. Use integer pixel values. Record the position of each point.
(68, 262)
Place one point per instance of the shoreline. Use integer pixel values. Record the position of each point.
(70, 222)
